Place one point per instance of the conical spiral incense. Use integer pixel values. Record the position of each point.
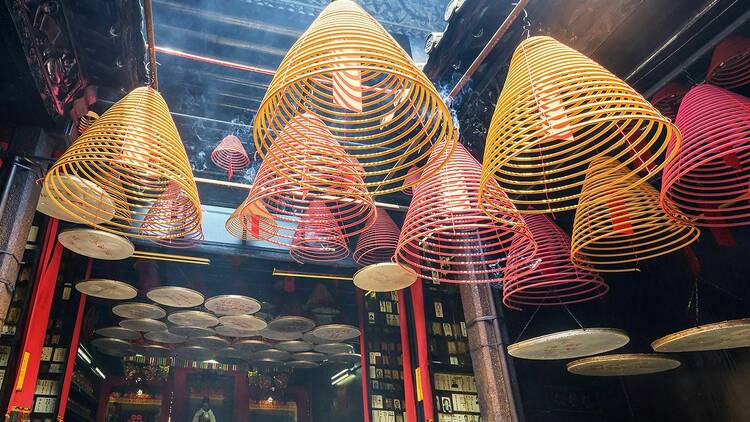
(558, 111)
(730, 63)
(351, 74)
(230, 155)
(112, 175)
(412, 177)
(447, 238)
(172, 210)
(318, 237)
(554, 279)
(709, 180)
(288, 201)
(378, 243)
(618, 224)
(247, 226)
(667, 100)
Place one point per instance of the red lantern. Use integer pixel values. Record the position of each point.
(667, 100)
(378, 243)
(709, 179)
(448, 238)
(554, 279)
(730, 63)
(230, 155)
(318, 237)
(172, 212)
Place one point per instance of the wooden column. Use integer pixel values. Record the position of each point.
(423, 382)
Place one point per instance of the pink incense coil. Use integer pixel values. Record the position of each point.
(446, 236)
(230, 155)
(667, 100)
(554, 280)
(730, 63)
(709, 179)
(412, 176)
(287, 196)
(173, 212)
(378, 243)
(318, 237)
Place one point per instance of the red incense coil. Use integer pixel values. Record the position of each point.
(378, 243)
(230, 155)
(288, 197)
(554, 280)
(448, 238)
(709, 179)
(318, 237)
(172, 212)
(667, 100)
(412, 177)
(730, 63)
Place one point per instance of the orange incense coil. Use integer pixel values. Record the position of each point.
(558, 111)
(378, 243)
(709, 180)
(412, 177)
(447, 237)
(247, 226)
(619, 224)
(112, 175)
(318, 237)
(667, 100)
(554, 280)
(86, 121)
(730, 63)
(352, 76)
(230, 155)
(168, 214)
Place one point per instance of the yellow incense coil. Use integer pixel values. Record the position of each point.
(558, 111)
(619, 222)
(350, 73)
(128, 161)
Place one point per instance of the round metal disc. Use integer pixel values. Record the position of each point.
(188, 331)
(291, 324)
(309, 356)
(310, 338)
(193, 319)
(136, 310)
(176, 297)
(96, 244)
(108, 343)
(336, 332)
(295, 346)
(570, 344)
(143, 325)
(118, 353)
(119, 333)
(155, 350)
(211, 342)
(623, 364)
(279, 336)
(384, 277)
(243, 322)
(721, 335)
(231, 353)
(226, 331)
(345, 358)
(266, 363)
(301, 364)
(250, 346)
(195, 353)
(164, 337)
(232, 305)
(92, 201)
(334, 348)
(107, 289)
(274, 354)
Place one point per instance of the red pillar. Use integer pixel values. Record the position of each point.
(241, 397)
(101, 410)
(417, 298)
(167, 391)
(362, 352)
(180, 402)
(409, 404)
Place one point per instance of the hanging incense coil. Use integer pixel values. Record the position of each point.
(412, 177)
(447, 237)
(730, 63)
(318, 237)
(667, 100)
(618, 224)
(85, 121)
(280, 210)
(709, 180)
(378, 243)
(120, 168)
(554, 280)
(247, 226)
(349, 73)
(557, 112)
(173, 208)
(230, 155)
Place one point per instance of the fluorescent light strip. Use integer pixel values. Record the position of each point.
(99, 372)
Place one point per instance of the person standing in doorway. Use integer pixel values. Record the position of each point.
(204, 414)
